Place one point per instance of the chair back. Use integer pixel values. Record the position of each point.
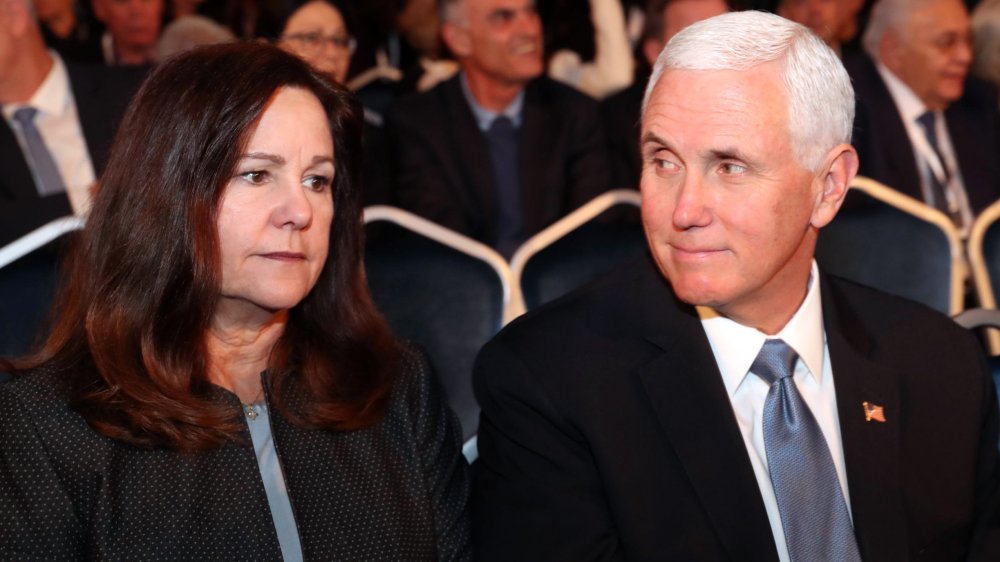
(579, 248)
(887, 240)
(29, 272)
(445, 292)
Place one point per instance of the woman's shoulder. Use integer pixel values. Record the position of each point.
(43, 388)
(36, 405)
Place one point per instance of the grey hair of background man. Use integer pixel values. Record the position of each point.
(986, 44)
(889, 15)
(820, 96)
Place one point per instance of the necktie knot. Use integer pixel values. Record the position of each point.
(25, 115)
(502, 125)
(928, 122)
(775, 361)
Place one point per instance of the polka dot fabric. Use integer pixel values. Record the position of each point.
(395, 491)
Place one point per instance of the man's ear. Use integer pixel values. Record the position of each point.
(839, 168)
(457, 39)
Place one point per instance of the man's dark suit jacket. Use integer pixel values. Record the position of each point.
(101, 95)
(444, 171)
(621, 113)
(607, 432)
(886, 152)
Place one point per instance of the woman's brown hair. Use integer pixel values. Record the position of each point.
(143, 282)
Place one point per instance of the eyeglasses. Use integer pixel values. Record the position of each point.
(315, 41)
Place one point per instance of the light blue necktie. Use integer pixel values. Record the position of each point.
(813, 511)
(49, 182)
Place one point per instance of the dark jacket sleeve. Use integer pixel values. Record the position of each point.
(439, 444)
(538, 494)
(38, 520)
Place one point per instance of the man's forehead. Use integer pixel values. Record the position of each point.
(937, 16)
(487, 6)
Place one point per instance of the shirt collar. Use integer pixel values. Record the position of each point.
(736, 346)
(52, 97)
(485, 117)
(909, 105)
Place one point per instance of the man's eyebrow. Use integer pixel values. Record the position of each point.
(263, 156)
(727, 154)
(652, 138)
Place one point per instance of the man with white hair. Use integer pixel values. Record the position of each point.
(498, 152)
(58, 122)
(924, 127)
(727, 400)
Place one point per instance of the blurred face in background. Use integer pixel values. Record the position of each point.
(317, 33)
(677, 15)
(932, 53)
(134, 25)
(821, 16)
(498, 39)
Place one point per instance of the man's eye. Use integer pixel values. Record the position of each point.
(730, 168)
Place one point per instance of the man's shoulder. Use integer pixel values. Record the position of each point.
(892, 321)
(546, 91)
(615, 308)
(431, 103)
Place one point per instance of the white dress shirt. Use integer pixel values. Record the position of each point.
(928, 164)
(59, 125)
(735, 347)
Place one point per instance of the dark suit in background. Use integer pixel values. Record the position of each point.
(621, 114)
(444, 171)
(886, 152)
(101, 96)
(631, 451)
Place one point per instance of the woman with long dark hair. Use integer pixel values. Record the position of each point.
(217, 383)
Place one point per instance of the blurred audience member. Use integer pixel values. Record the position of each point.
(499, 151)
(829, 19)
(188, 32)
(316, 32)
(612, 67)
(664, 18)
(58, 122)
(923, 126)
(133, 27)
(986, 44)
(848, 24)
(65, 29)
(821, 16)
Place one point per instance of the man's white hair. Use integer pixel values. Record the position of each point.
(820, 96)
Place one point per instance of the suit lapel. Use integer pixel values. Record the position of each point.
(535, 149)
(871, 448)
(686, 392)
(473, 159)
(16, 183)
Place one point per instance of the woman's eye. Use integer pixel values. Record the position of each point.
(318, 183)
(255, 176)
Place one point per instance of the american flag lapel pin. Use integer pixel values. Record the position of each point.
(874, 412)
